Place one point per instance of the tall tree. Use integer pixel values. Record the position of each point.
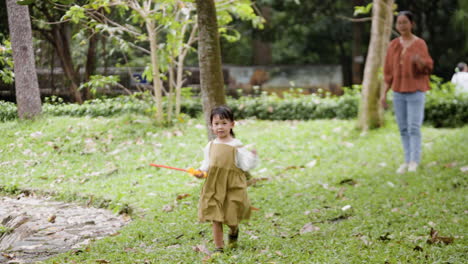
(27, 88)
(370, 111)
(357, 48)
(262, 51)
(209, 57)
(59, 36)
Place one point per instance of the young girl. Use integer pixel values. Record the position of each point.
(223, 198)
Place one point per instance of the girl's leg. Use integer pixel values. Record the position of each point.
(233, 230)
(233, 234)
(218, 234)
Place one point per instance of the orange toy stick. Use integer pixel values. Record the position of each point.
(189, 170)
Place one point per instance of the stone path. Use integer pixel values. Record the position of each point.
(33, 229)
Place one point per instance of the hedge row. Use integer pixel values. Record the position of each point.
(442, 109)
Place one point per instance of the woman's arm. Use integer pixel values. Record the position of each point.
(422, 59)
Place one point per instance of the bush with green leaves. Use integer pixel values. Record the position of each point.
(444, 107)
(8, 111)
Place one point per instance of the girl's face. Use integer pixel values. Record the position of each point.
(222, 127)
(404, 25)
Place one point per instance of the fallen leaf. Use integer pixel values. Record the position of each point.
(348, 181)
(279, 253)
(8, 256)
(311, 163)
(37, 134)
(365, 240)
(386, 237)
(174, 246)
(309, 227)
(293, 167)
(51, 219)
(182, 196)
(102, 261)
(339, 218)
(255, 180)
(435, 238)
(90, 146)
(269, 215)
(126, 217)
(450, 165)
(340, 194)
(346, 207)
(202, 249)
(206, 259)
(464, 169)
(168, 208)
(418, 248)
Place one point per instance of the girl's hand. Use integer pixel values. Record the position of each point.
(199, 174)
(254, 151)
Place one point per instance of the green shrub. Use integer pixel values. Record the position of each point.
(444, 108)
(8, 111)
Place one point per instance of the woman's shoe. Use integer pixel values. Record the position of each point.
(412, 167)
(403, 168)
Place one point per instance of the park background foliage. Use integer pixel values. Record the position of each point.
(444, 107)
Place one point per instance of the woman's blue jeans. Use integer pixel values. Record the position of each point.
(409, 112)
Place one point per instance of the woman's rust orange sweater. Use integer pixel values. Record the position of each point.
(401, 72)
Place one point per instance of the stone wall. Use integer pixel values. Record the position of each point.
(243, 79)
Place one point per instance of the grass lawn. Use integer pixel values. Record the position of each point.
(316, 170)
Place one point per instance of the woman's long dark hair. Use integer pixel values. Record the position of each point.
(407, 14)
(223, 112)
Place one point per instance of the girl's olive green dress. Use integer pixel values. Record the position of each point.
(224, 194)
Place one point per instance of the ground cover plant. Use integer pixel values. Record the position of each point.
(329, 194)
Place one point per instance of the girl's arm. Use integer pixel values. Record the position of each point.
(206, 158)
(246, 159)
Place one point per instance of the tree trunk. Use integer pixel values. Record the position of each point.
(170, 95)
(370, 111)
(262, 51)
(27, 88)
(157, 84)
(358, 56)
(209, 56)
(62, 46)
(90, 67)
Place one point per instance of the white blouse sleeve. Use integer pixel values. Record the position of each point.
(206, 158)
(245, 159)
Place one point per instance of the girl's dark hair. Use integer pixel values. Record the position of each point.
(223, 112)
(407, 14)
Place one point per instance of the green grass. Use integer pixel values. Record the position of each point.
(389, 221)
